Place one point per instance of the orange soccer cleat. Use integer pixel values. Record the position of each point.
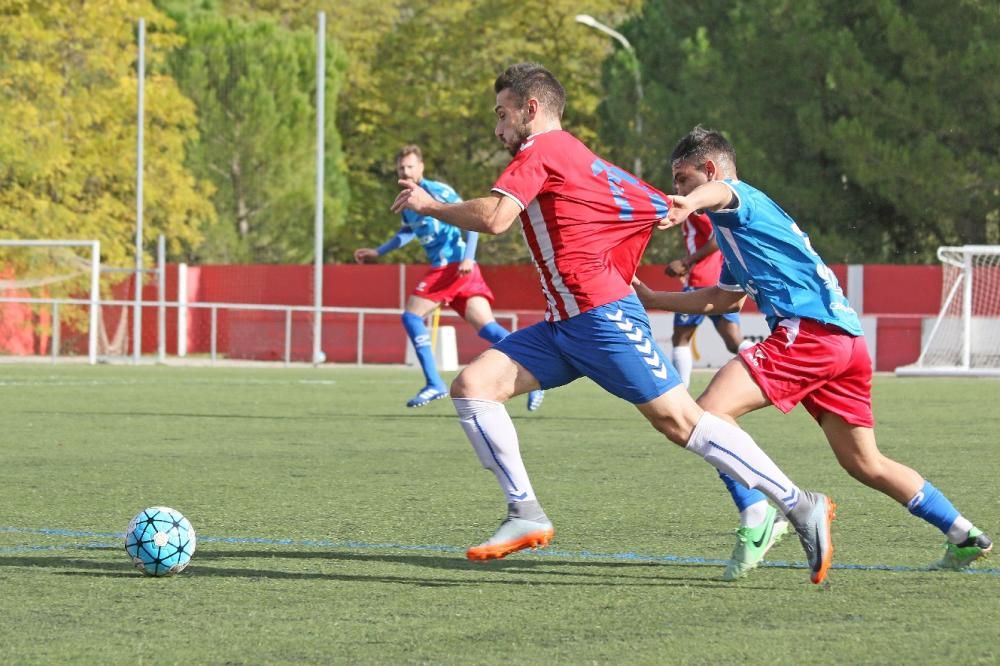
(514, 534)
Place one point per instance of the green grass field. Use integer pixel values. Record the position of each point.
(332, 524)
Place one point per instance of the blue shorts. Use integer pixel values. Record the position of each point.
(694, 320)
(611, 344)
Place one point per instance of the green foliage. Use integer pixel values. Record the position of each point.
(254, 85)
(68, 128)
(873, 123)
(430, 82)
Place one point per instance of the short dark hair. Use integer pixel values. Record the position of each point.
(700, 144)
(409, 149)
(529, 79)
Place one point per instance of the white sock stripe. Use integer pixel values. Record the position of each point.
(495, 455)
(740, 457)
(791, 493)
(489, 428)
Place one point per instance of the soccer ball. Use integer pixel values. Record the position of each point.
(160, 541)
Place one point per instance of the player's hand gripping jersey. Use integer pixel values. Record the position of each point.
(442, 242)
(770, 258)
(586, 221)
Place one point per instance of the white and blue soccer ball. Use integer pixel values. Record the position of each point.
(160, 541)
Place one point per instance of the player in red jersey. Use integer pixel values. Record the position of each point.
(586, 223)
(700, 268)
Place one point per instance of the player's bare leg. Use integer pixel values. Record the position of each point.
(859, 455)
(731, 335)
(479, 314)
(478, 393)
(733, 392)
(857, 452)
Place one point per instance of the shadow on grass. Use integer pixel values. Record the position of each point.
(470, 574)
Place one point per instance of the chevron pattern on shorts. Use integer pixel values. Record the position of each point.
(642, 344)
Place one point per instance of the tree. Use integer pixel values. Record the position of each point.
(254, 86)
(422, 72)
(432, 84)
(850, 115)
(68, 128)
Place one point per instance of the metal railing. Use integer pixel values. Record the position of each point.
(214, 308)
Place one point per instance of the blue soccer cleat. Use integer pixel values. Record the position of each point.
(535, 399)
(427, 394)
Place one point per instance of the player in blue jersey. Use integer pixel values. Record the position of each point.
(816, 353)
(454, 278)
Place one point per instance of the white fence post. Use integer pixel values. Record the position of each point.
(182, 310)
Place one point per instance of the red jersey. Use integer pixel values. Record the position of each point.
(585, 221)
(697, 230)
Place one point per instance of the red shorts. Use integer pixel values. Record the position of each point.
(444, 285)
(819, 365)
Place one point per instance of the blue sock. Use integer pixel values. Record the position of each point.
(742, 496)
(421, 340)
(493, 332)
(931, 505)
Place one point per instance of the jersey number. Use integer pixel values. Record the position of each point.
(616, 177)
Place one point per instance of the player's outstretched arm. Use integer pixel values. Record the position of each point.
(492, 214)
(710, 300)
(710, 196)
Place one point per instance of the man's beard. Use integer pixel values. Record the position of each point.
(521, 134)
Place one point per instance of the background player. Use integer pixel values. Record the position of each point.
(816, 353)
(700, 268)
(454, 278)
(586, 223)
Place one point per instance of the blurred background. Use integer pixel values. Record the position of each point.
(874, 123)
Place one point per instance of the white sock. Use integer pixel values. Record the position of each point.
(730, 449)
(746, 344)
(683, 361)
(753, 515)
(959, 530)
(488, 426)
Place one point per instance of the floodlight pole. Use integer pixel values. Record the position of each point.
(317, 353)
(591, 22)
(137, 317)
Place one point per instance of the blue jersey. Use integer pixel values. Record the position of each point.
(770, 258)
(442, 241)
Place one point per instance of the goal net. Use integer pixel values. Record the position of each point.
(964, 339)
(50, 298)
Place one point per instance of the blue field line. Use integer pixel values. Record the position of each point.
(431, 548)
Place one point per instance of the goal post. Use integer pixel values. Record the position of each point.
(94, 297)
(964, 339)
